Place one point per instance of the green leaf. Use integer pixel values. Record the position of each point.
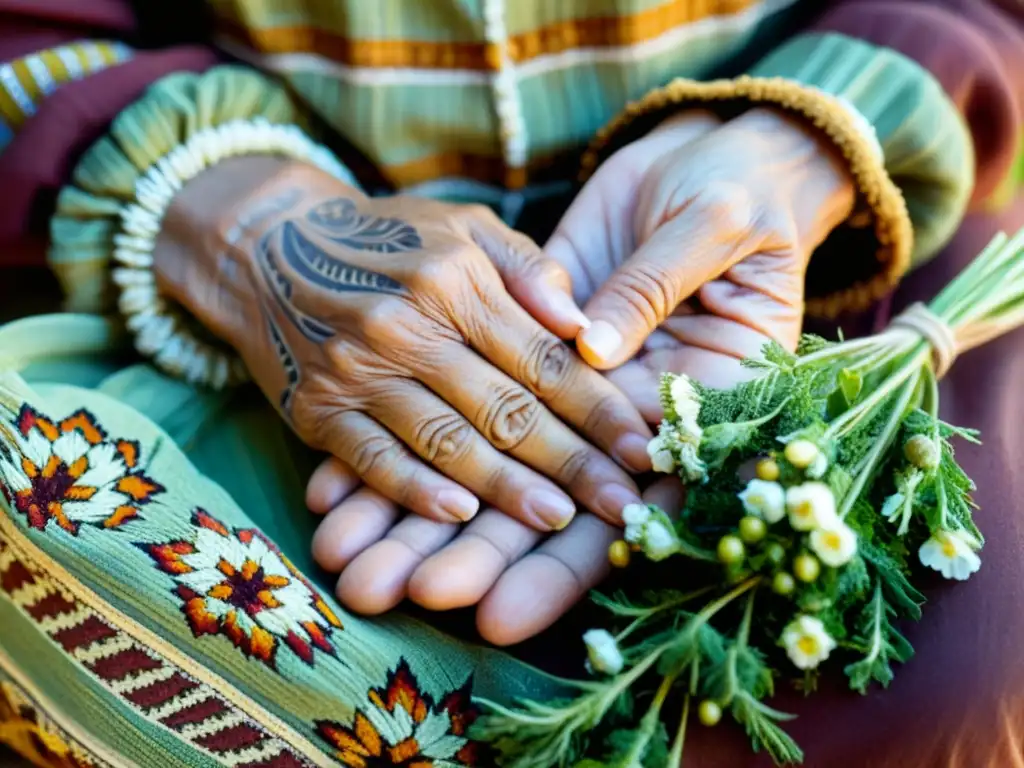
(883, 644)
(761, 724)
(906, 600)
(621, 744)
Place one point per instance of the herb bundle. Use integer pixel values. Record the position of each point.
(815, 493)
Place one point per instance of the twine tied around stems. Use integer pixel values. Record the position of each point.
(933, 329)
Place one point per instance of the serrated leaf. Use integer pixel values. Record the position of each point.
(900, 593)
(882, 642)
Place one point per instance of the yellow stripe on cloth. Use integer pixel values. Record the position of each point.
(27, 81)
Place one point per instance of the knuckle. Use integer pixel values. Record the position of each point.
(509, 418)
(443, 439)
(728, 205)
(548, 366)
(647, 291)
(348, 368)
(603, 414)
(441, 272)
(576, 466)
(384, 321)
(373, 453)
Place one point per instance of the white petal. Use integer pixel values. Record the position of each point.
(70, 446)
(14, 477)
(105, 466)
(37, 448)
(201, 581)
(99, 507)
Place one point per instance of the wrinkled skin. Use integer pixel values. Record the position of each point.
(723, 213)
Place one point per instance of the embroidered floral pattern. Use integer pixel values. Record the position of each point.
(402, 726)
(236, 583)
(70, 473)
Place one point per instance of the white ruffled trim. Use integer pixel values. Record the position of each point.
(161, 332)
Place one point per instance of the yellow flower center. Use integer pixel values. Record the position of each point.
(807, 645)
(832, 541)
(804, 509)
(948, 547)
(756, 501)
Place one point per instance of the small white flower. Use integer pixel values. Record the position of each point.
(603, 651)
(951, 553)
(636, 514)
(659, 541)
(694, 470)
(818, 467)
(835, 544)
(806, 641)
(764, 499)
(810, 506)
(661, 457)
(685, 400)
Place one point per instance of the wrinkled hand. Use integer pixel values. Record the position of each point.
(521, 582)
(708, 227)
(386, 332)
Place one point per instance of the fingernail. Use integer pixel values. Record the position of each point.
(553, 510)
(564, 305)
(458, 504)
(612, 499)
(599, 343)
(631, 451)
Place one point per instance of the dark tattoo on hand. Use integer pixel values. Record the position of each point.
(287, 360)
(299, 243)
(339, 221)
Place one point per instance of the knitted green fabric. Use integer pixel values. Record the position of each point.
(928, 149)
(173, 109)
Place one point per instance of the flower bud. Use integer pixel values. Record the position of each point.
(603, 651)
(922, 452)
(752, 529)
(768, 470)
(783, 583)
(801, 453)
(806, 567)
(618, 554)
(731, 550)
(710, 713)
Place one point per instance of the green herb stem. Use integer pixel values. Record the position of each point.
(880, 444)
(847, 421)
(643, 615)
(648, 725)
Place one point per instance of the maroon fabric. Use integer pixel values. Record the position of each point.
(973, 47)
(42, 156)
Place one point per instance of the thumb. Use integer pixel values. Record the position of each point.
(540, 284)
(676, 260)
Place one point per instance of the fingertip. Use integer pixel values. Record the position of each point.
(376, 581)
(330, 484)
(600, 345)
(527, 599)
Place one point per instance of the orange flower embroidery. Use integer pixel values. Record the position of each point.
(402, 726)
(236, 583)
(71, 473)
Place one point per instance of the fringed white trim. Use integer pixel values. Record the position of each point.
(160, 331)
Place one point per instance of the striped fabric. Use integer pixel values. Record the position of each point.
(25, 82)
(483, 95)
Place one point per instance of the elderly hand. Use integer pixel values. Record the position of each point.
(708, 230)
(521, 582)
(385, 331)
